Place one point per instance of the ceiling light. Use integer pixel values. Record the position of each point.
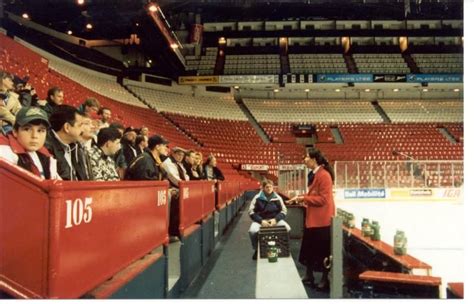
(236, 87)
(337, 90)
(396, 90)
(456, 90)
(89, 26)
(222, 40)
(80, 2)
(174, 46)
(306, 90)
(425, 90)
(69, 32)
(153, 8)
(276, 90)
(367, 90)
(25, 16)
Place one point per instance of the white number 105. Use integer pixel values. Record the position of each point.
(75, 212)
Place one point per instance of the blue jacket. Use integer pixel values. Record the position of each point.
(262, 208)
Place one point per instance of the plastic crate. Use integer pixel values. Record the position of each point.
(277, 234)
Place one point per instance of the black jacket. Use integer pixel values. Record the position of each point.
(144, 167)
(217, 174)
(79, 169)
(263, 208)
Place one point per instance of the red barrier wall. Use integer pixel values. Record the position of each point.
(61, 239)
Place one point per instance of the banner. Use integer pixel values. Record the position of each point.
(196, 34)
(364, 193)
(198, 80)
(249, 167)
(291, 167)
(390, 78)
(345, 78)
(297, 78)
(248, 79)
(434, 78)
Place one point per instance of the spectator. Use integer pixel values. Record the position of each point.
(149, 166)
(144, 131)
(319, 203)
(119, 158)
(266, 210)
(84, 144)
(26, 93)
(174, 168)
(9, 103)
(190, 162)
(128, 145)
(105, 117)
(198, 166)
(55, 99)
(66, 124)
(101, 155)
(211, 172)
(90, 106)
(24, 147)
(141, 143)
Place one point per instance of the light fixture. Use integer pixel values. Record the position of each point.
(337, 90)
(153, 8)
(236, 87)
(69, 32)
(89, 26)
(425, 90)
(276, 90)
(137, 24)
(306, 90)
(367, 90)
(396, 90)
(222, 41)
(25, 16)
(174, 46)
(150, 61)
(80, 2)
(456, 90)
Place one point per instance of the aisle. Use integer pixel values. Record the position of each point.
(230, 272)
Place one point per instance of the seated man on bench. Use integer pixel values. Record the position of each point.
(266, 210)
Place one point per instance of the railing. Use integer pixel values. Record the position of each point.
(398, 174)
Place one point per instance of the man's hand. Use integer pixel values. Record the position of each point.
(272, 222)
(265, 223)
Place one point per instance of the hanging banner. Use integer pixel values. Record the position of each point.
(249, 167)
(390, 78)
(345, 78)
(248, 79)
(434, 78)
(198, 79)
(196, 33)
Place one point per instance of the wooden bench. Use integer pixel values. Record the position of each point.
(394, 284)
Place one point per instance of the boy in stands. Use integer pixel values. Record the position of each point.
(24, 147)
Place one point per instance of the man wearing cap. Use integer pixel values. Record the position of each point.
(173, 166)
(102, 152)
(9, 103)
(24, 147)
(148, 166)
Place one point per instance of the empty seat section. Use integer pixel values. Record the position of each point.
(381, 63)
(439, 63)
(423, 110)
(317, 63)
(252, 64)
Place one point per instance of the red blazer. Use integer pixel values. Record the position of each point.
(319, 201)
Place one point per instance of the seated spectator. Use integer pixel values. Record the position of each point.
(141, 143)
(198, 165)
(174, 168)
(144, 131)
(105, 117)
(266, 210)
(84, 144)
(26, 93)
(90, 106)
(24, 147)
(211, 172)
(149, 165)
(128, 145)
(9, 103)
(190, 161)
(61, 141)
(119, 158)
(101, 155)
(55, 98)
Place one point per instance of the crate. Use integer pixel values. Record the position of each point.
(277, 234)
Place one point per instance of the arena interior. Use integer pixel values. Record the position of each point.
(375, 85)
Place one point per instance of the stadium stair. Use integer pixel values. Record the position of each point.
(411, 63)
(448, 135)
(380, 110)
(258, 128)
(350, 63)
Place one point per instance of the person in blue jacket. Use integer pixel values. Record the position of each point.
(266, 210)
